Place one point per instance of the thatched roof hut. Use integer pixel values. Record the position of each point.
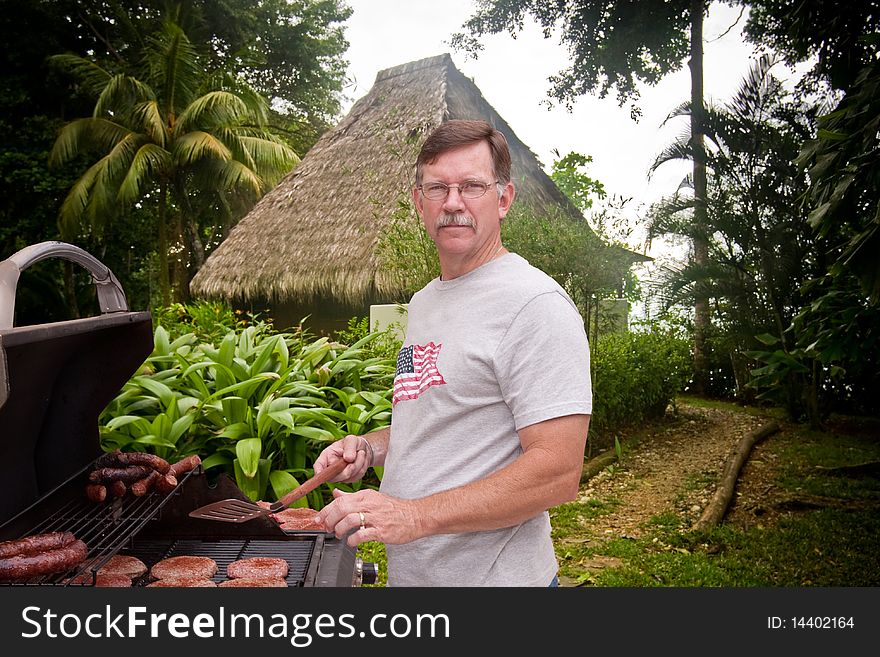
(314, 237)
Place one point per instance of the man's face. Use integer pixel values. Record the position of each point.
(474, 223)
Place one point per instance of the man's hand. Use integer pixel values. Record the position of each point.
(373, 517)
(353, 450)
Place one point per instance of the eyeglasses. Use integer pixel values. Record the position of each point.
(470, 189)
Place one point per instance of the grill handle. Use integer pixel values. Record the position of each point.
(111, 298)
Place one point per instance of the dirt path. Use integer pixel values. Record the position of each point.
(675, 469)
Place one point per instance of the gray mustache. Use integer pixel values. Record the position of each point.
(454, 220)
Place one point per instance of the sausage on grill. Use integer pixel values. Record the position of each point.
(185, 465)
(30, 545)
(118, 488)
(166, 483)
(157, 463)
(127, 475)
(96, 492)
(120, 459)
(45, 563)
(109, 460)
(142, 486)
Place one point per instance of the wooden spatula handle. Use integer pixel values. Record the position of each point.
(311, 484)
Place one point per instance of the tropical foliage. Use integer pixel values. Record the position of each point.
(258, 405)
(289, 52)
(180, 139)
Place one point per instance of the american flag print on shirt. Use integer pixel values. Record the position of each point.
(416, 371)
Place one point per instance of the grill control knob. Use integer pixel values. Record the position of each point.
(365, 572)
(369, 572)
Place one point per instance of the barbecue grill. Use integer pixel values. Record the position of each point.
(55, 379)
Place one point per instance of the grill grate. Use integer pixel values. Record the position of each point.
(297, 551)
(104, 528)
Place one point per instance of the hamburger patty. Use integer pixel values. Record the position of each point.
(184, 567)
(252, 582)
(120, 564)
(300, 519)
(182, 582)
(103, 580)
(258, 567)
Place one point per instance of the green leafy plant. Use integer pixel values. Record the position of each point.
(259, 406)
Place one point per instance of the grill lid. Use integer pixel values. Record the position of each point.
(56, 379)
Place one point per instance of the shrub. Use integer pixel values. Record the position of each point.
(636, 376)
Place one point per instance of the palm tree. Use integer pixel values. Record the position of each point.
(176, 137)
(758, 248)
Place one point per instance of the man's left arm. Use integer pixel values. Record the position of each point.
(546, 474)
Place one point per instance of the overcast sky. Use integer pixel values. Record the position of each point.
(512, 75)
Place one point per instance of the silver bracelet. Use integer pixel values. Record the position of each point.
(369, 450)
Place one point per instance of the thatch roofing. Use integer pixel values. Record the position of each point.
(315, 235)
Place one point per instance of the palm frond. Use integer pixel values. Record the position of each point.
(173, 68)
(683, 109)
(149, 117)
(272, 155)
(196, 145)
(93, 77)
(679, 149)
(148, 162)
(119, 94)
(216, 108)
(72, 209)
(79, 134)
(258, 109)
(234, 175)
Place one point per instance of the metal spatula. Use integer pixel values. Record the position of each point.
(232, 510)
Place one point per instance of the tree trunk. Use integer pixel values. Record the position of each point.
(700, 239)
(164, 282)
(716, 509)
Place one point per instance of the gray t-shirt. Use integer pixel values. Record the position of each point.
(486, 354)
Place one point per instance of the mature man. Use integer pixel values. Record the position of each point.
(492, 395)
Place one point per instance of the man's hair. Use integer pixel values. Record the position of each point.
(458, 133)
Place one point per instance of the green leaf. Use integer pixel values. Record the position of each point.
(253, 486)
(248, 451)
(161, 346)
(235, 409)
(180, 426)
(216, 459)
(767, 339)
(163, 392)
(282, 483)
(154, 441)
(237, 431)
(141, 425)
(316, 434)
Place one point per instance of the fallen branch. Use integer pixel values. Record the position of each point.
(715, 510)
(595, 465)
